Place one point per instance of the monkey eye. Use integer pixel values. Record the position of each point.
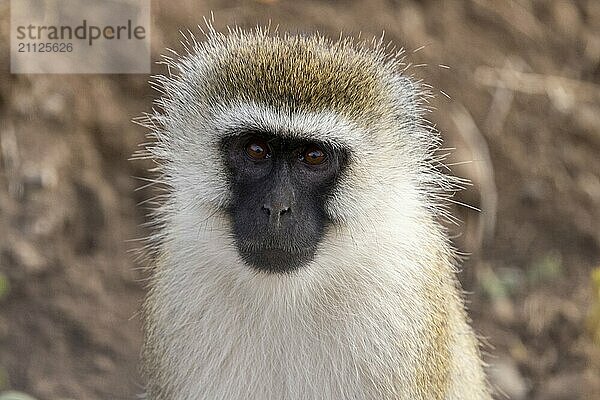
(258, 149)
(313, 155)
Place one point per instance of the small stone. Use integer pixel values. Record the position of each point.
(29, 257)
(504, 310)
(54, 105)
(505, 375)
(12, 395)
(104, 364)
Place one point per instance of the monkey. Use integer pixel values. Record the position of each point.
(299, 246)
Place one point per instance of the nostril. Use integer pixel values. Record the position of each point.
(285, 211)
(266, 209)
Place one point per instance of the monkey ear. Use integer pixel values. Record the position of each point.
(409, 95)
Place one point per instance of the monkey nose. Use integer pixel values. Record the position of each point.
(275, 212)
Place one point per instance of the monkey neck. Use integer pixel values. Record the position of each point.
(214, 324)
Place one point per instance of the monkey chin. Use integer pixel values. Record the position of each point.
(276, 260)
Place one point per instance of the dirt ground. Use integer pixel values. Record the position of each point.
(517, 87)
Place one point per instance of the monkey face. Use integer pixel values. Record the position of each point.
(279, 188)
(276, 153)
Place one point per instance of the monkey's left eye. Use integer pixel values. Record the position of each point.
(313, 155)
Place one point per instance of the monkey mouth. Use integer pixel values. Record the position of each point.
(276, 259)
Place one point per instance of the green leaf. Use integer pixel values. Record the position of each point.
(4, 286)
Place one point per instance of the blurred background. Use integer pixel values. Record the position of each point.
(517, 87)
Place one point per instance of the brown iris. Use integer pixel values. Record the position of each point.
(258, 149)
(313, 155)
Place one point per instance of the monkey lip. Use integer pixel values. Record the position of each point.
(275, 259)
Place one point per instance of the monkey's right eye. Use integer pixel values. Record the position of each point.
(258, 149)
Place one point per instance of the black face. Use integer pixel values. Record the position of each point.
(279, 191)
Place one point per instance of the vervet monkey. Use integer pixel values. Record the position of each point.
(299, 250)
